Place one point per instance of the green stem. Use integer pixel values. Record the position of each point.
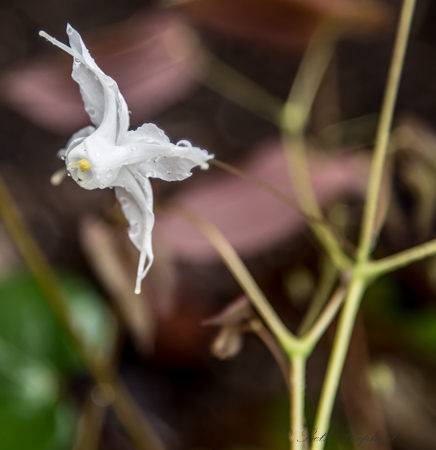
(297, 382)
(325, 286)
(339, 352)
(311, 338)
(238, 269)
(358, 280)
(401, 259)
(368, 236)
(294, 120)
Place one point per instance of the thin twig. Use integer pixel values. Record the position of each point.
(326, 317)
(271, 343)
(368, 236)
(295, 116)
(234, 263)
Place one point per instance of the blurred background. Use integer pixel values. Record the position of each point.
(214, 72)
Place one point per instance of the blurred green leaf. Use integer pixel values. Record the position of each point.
(35, 355)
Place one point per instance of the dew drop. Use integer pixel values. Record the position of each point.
(63, 158)
(124, 202)
(68, 174)
(77, 60)
(98, 176)
(90, 111)
(69, 29)
(184, 143)
(133, 149)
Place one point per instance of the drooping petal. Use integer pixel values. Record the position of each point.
(103, 101)
(158, 158)
(136, 198)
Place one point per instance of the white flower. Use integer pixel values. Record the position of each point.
(109, 155)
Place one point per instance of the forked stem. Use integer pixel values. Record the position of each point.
(358, 279)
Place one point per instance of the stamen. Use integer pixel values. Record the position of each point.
(83, 165)
(57, 178)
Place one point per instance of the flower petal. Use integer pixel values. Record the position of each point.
(159, 158)
(82, 133)
(103, 101)
(136, 198)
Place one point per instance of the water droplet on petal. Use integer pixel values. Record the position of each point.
(98, 175)
(133, 149)
(90, 111)
(63, 158)
(69, 29)
(68, 174)
(184, 143)
(77, 60)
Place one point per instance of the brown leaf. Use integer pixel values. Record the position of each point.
(238, 311)
(101, 246)
(227, 343)
(252, 219)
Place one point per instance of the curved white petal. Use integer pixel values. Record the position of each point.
(158, 158)
(136, 198)
(103, 101)
(81, 134)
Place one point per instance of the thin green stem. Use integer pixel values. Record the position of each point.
(311, 338)
(294, 120)
(129, 414)
(298, 385)
(325, 286)
(265, 335)
(337, 359)
(234, 263)
(358, 279)
(401, 259)
(279, 195)
(368, 235)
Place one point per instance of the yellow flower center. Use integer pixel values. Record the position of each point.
(83, 165)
